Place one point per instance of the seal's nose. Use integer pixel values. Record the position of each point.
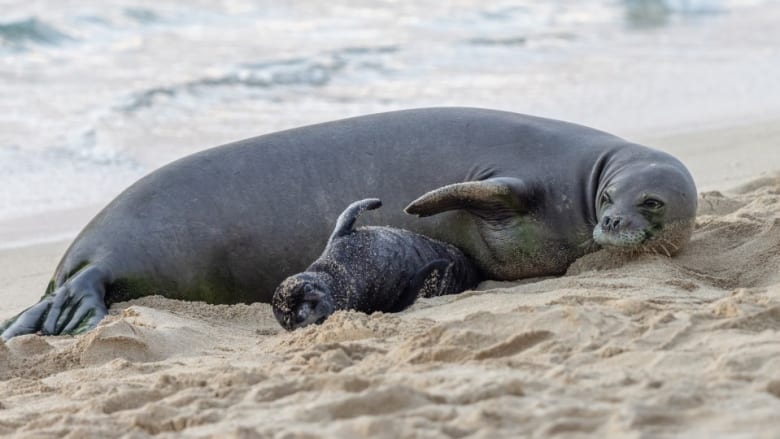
(611, 223)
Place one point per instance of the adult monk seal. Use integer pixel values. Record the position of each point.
(519, 194)
(371, 269)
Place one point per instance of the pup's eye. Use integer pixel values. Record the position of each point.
(303, 311)
(652, 203)
(605, 198)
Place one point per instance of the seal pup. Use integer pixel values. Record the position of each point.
(371, 269)
(520, 195)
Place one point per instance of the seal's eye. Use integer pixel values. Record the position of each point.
(605, 198)
(652, 203)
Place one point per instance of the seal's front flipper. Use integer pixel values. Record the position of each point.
(427, 282)
(493, 196)
(347, 219)
(74, 307)
(28, 321)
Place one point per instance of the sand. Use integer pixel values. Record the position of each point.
(645, 346)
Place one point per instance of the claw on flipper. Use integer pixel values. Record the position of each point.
(73, 307)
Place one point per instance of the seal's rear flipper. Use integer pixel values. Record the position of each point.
(74, 307)
(347, 219)
(427, 282)
(493, 195)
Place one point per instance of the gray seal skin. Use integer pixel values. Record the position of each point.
(521, 195)
(371, 269)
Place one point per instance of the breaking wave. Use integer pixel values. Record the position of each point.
(318, 71)
(19, 34)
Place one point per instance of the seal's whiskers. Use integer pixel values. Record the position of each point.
(667, 241)
(648, 249)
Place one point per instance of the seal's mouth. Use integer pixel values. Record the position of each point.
(621, 238)
(307, 313)
(616, 229)
(627, 228)
(304, 315)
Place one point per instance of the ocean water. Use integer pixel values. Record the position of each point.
(94, 94)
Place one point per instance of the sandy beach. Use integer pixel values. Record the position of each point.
(645, 346)
(95, 94)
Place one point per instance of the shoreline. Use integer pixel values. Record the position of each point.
(45, 227)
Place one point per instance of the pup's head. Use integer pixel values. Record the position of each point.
(301, 300)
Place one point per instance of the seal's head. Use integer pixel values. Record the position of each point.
(301, 300)
(646, 207)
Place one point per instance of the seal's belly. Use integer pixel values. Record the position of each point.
(525, 248)
(516, 247)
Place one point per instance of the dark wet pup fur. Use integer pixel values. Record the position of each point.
(371, 269)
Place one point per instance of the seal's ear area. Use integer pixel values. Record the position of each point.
(427, 282)
(346, 221)
(503, 193)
